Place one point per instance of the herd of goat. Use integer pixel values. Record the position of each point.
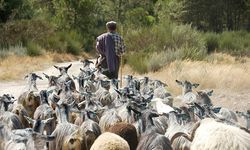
(101, 116)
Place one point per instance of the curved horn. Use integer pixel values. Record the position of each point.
(188, 137)
(178, 134)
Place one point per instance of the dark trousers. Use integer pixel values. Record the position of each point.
(113, 74)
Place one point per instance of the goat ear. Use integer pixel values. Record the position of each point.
(39, 77)
(56, 67)
(46, 76)
(178, 82)
(68, 66)
(118, 91)
(75, 110)
(30, 120)
(82, 70)
(209, 93)
(48, 120)
(59, 92)
(26, 76)
(195, 85)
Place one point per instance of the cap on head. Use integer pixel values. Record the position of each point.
(111, 25)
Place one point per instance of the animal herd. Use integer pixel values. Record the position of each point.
(88, 111)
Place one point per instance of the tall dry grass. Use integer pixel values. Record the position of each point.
(219, 72)
(15, 67)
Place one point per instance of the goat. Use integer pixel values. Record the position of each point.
(232, 137)
(44, 111)
(30, 102)
(11, 120)
(161, 92)
(20, 111)
(53, 83)
(102, 94)
(246, 115)
(151, 139)
(227, 114)
(84, 136)
(108, 119)
(110, 141)
(61, 132)
(38, 124)
(187, 95)
(178, 143)
(5, 101)
(159, 106)
(64, 77)
(91, 130)
(127, 132)
(32, 77)
(27, 139)
(203, 98)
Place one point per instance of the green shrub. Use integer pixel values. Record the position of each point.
(212, 42)
(228, 42)
(21, 31)
(186, 36)
(157, 60)
(73, 47)
(191, 53)
(33, 49)
(162, 44)
(138, 61)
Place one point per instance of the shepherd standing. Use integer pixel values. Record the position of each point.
(111, 47)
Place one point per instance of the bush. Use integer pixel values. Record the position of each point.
(138, 61)
(235, 42)
(191, 53)
(33, 49)
(212, 42)
(185, 36)
(21, 31)
(162, 44)
(73, 47)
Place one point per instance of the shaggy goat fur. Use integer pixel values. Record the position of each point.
(108, 119)
(211, 135)
(62, 130)
(110, 141)
(126, 131)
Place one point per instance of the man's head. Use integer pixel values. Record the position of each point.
(111, 25)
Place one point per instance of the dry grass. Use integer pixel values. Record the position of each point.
(15, 67)
(227, 76)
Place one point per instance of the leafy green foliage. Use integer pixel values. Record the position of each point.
(33, 49)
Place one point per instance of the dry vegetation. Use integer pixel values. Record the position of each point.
(14, 67)
(228, 76)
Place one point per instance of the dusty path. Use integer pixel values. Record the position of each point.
(235, 100)
(16, 87)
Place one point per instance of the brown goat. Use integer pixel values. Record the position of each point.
(30, 101)
(126, 131)
(20, 111)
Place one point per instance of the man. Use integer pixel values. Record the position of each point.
(111, 47)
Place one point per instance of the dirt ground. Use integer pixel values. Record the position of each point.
(233, 98)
